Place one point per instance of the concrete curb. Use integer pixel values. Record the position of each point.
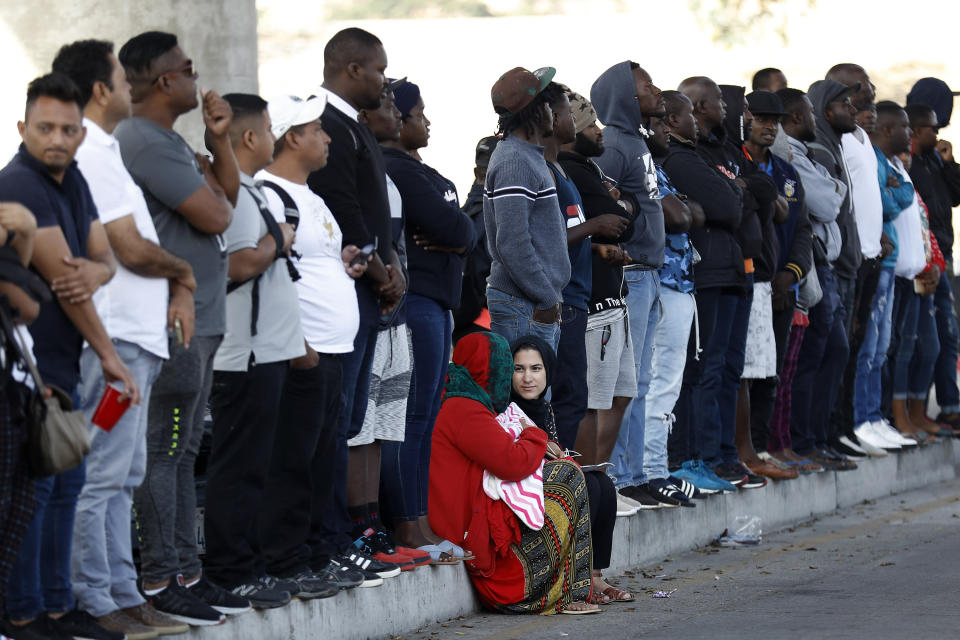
(432, 594)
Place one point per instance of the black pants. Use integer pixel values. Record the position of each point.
(569, 389)
(603, 515)
(763, 391)
(245, 406)
(868, 276)
(300, 481)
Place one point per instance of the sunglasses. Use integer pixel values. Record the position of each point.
(188, 69)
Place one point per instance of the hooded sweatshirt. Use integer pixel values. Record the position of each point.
(938, 183)
(721, 263)
(756, 236)
(828, 152)
(627, 160)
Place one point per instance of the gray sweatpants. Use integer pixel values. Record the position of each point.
(166, 501)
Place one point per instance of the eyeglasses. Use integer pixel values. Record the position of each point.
(188, 69)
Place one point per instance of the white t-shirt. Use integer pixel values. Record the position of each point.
(867, 206)
(329, 313)
(911, 252)
(131, 307)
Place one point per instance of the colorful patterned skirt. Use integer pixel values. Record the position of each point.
(557, 560)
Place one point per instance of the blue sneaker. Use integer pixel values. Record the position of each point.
(717, 481)
(688, 471)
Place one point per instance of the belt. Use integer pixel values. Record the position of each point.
(640, 267)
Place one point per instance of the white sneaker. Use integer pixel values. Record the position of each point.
(626, 506)
(864, 446)
(867, 435)
(850, 444)
(887, 429)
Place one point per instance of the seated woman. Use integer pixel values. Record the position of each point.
(533, 366)
(515, 569)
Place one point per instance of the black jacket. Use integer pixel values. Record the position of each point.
(354, 186)
(721, 263)
(608, 286)
(938, 183)
(430, 208)
(476, 265)
(761, 191)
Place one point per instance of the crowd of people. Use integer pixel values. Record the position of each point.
(713, 289)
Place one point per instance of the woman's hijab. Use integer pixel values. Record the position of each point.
(482, 370)
(538, 409)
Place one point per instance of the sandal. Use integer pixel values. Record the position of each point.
(598, 597)
(438, 555)
(617, 595)
(580, 612)
(457, 552)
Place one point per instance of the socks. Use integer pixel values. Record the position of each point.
(373, 509)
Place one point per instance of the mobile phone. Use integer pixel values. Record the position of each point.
(364, 255)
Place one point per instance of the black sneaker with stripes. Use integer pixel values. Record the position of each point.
(355, 558)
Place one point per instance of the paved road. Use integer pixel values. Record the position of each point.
(884, 569)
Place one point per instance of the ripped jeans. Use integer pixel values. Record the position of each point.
(669, 357)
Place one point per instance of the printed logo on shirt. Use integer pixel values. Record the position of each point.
(790, 189)
(653, 188)
(450, 196)
(575, 216)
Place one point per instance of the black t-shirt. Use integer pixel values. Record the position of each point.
(68, 205)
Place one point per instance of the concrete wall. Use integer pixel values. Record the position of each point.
(219, 35)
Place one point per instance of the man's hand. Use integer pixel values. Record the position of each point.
(612, 190)
(550, 315)
(289, 236)
(886, 245)
(217, 114)
(80, 285)
(740, 183)
(781, 289)
(945, 149)
(17, 218)
(608, 225)
(347, 255)
(428, 245)
(892, 180)
(181, 307)
(612, 254)
(393, 290)
(209, 174)
(115, 371)
(309, 360)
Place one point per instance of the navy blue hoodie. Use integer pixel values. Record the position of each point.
(430, 208)
(627, 160)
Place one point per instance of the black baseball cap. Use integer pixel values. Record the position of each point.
(485, 149)
(765, 103)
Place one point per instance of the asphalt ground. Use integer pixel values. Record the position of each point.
(881, 569)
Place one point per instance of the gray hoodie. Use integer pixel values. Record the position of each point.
(627, 160)
(829, 153)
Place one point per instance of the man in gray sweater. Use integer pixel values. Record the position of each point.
(526, 236)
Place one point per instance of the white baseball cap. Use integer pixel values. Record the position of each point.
(287, 112)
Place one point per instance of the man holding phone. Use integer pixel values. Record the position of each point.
(300, 472)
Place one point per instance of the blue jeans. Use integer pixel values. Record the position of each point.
(730, 378)
(40, 580)
(920, 375)
(405, 465)
(868, 386)
(819, 367)
(945, 372)
(717, 310)
(669, 357)
(643, 306)
(102, 570)
(512, 317)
